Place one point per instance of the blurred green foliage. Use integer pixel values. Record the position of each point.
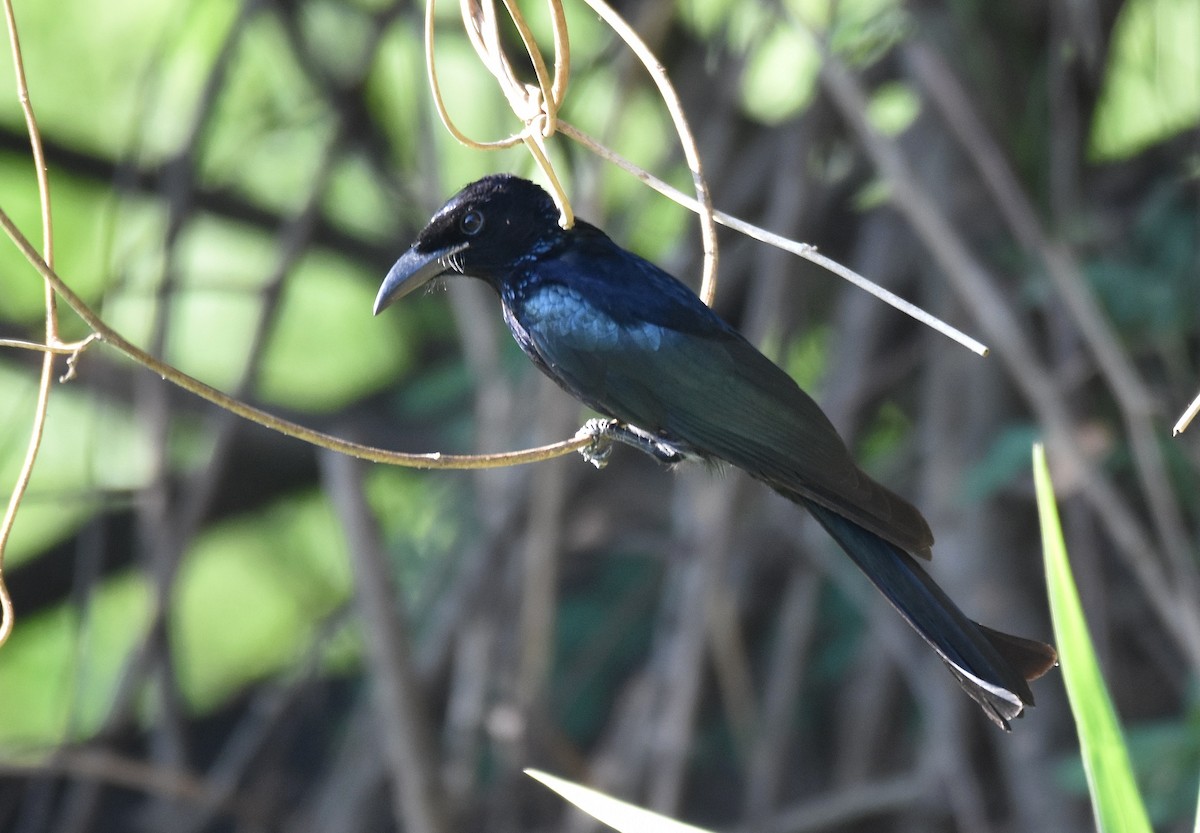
(61, 667)
(250, 594)
(1152, 83)
(1149, 283)
(257, 588)
(97, 454)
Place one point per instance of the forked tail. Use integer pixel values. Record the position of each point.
(993, 667)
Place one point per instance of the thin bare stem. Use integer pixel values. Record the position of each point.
(61, 349)
(439, 102)
(408, 746)
(708, 231)
(537, 106)
(432, 460)
(1185, 419)
(110, 768)
(47, 373)
(804, 250)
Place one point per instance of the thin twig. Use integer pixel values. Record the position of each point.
(536, 106)
(406, 737)
(439, 103)
(850, 805)
(432, 460)
(804, 250)
(1185, 419)
(61, 349)
(47, 373)
(118, 770)
(708, 231)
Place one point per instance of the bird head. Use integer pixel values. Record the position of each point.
(483, 231)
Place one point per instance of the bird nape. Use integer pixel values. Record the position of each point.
(632, 342)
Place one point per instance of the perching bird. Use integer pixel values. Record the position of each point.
(635, 344)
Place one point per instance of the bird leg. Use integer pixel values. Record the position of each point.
(603, 432)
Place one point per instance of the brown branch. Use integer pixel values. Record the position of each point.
(408, 747)
(431, 460)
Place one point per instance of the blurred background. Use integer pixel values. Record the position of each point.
(223, 629)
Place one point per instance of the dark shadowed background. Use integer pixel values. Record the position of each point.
(223, 629)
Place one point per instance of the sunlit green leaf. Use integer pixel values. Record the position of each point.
(617, 814)
(781, 75)
(1151, 86)
(356, 201)
(250, 594)
(272, 129)
(60, 669)
(893, 107)
(129, 72)
(326, 348)
(1116, 803)
(81, 215)
(93, 453)
(1196, 829)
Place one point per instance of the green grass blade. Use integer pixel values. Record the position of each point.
(617, 814)
(1117, 805)
(1197, 827)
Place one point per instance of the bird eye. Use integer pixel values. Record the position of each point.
(471, 223)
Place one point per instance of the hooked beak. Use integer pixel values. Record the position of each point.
(413, 270)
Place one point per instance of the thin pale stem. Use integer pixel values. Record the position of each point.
(708, 230)
(1185, 419)
(432, 460)
(61, 349)
(46, 377)
(804, 250)
(439, 102)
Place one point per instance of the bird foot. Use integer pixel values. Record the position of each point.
(599, 449)
(603, 432)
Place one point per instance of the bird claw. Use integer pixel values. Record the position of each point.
(599, 449)
(603, 432)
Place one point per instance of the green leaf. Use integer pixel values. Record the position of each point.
(781, 75)
(893, 107)
(1196, 829)
(1116, 803)
(93, 452)
(617, 814)
(1151, 87)
(251, 594)
(326, 349)
(62, 667)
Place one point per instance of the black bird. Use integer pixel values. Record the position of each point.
(635, 344)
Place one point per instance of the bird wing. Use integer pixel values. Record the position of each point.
(681, 373)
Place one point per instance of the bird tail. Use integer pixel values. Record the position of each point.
(992, 667)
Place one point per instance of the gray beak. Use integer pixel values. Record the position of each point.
(412, 271)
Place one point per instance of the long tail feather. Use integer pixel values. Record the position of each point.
(992, 667)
